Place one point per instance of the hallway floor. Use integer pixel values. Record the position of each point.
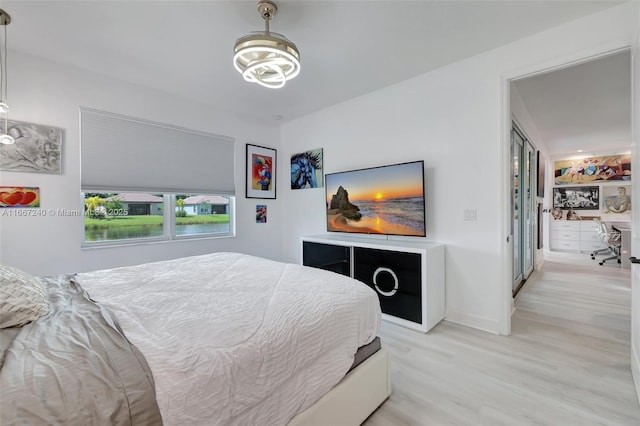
(566, 363)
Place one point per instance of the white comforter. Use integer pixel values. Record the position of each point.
(236, 339)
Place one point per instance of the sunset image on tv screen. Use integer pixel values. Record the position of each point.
(381, 200)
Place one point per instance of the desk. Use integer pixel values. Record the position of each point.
(625, 242)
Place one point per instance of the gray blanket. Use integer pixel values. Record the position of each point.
(74, 366)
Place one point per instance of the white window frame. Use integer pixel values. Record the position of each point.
(169, 226)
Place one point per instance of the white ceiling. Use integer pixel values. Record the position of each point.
(348, 48)
(584, 107)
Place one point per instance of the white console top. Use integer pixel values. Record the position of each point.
(372, 242)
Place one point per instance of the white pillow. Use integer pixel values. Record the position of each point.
(23, 298)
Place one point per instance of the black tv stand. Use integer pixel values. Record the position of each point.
(408, 276)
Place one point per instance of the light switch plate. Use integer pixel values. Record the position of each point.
(470, 214)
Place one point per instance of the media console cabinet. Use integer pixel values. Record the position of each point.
(407, 276)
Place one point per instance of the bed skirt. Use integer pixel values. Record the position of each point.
(352, 400)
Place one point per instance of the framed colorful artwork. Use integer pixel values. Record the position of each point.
(261, 172)
(306, 169)
(593, 170)
(261, 213)
(19, 196)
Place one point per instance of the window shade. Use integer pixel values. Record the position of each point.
(121, 153)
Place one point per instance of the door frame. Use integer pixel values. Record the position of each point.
(635, 232)
(565, 61)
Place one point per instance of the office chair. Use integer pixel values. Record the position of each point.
(612, 239)
(599, 232)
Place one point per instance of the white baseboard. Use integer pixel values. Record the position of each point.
(635, 369)
(484, 324)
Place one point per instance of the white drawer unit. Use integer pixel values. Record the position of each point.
(575, 235)
(565, 235)
(589, 226)
(565, 225)
(559, 244)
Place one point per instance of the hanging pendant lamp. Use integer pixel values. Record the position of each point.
(266, 58)
(5, 137)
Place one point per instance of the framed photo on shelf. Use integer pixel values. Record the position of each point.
(261, 172)
(577, 198)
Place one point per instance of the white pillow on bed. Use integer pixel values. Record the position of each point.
(23, 298)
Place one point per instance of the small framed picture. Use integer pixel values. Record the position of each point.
(19, 196)
(261, 172)
(261, 213)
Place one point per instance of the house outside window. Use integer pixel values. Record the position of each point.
(132, 217)
(202, 214)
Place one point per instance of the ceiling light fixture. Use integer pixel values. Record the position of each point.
(5, 20)
(266, 58)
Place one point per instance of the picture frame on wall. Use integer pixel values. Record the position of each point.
(577, 198)
(37, 148)
(261, 163)
(306, 169)
(19, 196)
(616, 199)
(593, 170)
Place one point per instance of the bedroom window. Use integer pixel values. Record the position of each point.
(147, 181)
(139, 217)
(202, 214)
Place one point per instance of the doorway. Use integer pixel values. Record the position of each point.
(579, 108)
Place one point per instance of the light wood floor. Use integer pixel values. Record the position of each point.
(566, 362)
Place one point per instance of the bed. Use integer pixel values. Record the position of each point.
(217, 339)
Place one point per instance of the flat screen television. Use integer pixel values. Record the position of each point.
(388, 200)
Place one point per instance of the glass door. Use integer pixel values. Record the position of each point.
(517, 144)
(528, 208)
(523, 206)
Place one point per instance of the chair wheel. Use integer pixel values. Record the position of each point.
(593, 258)
(601, 263)
(619, 261)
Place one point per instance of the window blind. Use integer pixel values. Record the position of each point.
(120, 153)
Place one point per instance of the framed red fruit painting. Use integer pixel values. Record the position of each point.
(19, 196)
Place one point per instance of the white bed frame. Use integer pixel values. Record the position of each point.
(354, 398)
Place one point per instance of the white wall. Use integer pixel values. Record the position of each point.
(48, 93)
(454, 119)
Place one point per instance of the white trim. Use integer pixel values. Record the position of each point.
(504, 325)
(635, 369)
(474, 321)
